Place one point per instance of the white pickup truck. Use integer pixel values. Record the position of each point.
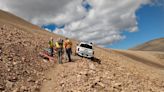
(85, 50)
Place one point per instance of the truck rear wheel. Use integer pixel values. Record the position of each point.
(92, 58)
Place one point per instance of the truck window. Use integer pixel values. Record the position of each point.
(86, 46)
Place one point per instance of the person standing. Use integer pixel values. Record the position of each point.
(51, 46)
(59, 48)
(68, 48)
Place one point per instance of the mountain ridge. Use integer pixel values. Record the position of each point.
(152, 45)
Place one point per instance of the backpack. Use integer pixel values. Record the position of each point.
(60, 43)
(68, 44)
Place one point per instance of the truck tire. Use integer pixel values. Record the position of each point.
(92, 58)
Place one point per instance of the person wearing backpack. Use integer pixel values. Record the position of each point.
(59, 48)
(51, 46)
(68, 48)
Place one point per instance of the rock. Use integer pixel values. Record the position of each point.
(97, 79)
(1, 58)
(15, 63)
(12, 79)
(78, 78)
(61, 83)
(18, 73)
(0, 51)
(9, 84)
(8, 69)
(23, 88)
(10, 58)
(37, 88)
(101, 84)
(23, 59)
(2, 87)
(16, 90)
(92, 66)
(2, 28)
(117, 85)
(83, 72)
(38, 82)
(30, 79)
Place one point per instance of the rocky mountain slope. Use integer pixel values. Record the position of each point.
(15, 20)
(153, 45)
(22, 70)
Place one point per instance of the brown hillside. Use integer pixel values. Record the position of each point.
(10, 18)
(154, 45)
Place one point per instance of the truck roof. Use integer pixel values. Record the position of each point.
(86, 43)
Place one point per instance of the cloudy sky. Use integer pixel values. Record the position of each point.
(100, 21)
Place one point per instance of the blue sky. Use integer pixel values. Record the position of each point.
(151, 26)
(52, 27)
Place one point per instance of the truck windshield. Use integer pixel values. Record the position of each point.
(86, 46)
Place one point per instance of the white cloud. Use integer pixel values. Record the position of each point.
(103, 24)
(48, 29)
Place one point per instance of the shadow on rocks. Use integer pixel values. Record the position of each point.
(94, 59)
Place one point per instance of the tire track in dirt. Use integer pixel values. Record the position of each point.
(51, 75)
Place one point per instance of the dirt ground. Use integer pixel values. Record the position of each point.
(120, 71)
